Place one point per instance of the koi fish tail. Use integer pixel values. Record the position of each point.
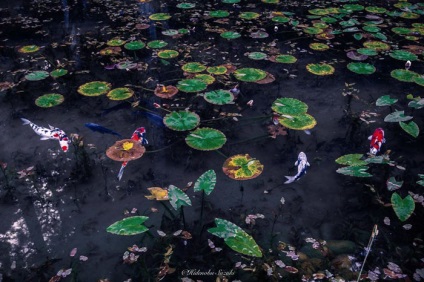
(121, 171)
(25, 121)
(290, 179)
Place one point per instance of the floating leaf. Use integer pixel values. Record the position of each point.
(186, 5)
(367, 51)
(416, 104)
(249, 74)
(352, 160)
(419, 80)
(36, 75)
(157, 44)
(385, 101)
(361, 68)
(392, 184)
(289, 106)
(284, 59)
(94, 88)
(135, 45)
(219, 97)
(378, 160)
(357, 171)
(206, 182)
(170, 32)
(206, 139)
(230, 35)
(249, 15)
(193, 67)
(298, 122)
(421, 182)
(235, 237)
(49, 100)
(402, 207)
(29, 49)
(181, 120)
(411, 128)
(320, 69)
(403, 55)
(191, 85)
(256, 56)
(397, 116)
(158, 194)
(217, 70)
(177, 197)
(319, 46)
(208, 79)
(168, 54)
(160, 17)
(242, 167)
(404, 75)
(219, 14)
(129, 226)
(280, 19)
(58, 72)
(115, 42)
(377, 45)
(119, 94)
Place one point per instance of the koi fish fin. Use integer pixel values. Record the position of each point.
(370, 137)
(290, 179)
(384, 140)
(51, 127)
(44, 138)
(121, 172)
(308, 164)
(296, 163)
(144, 142)
(25, 121)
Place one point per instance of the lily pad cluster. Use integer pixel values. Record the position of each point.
(355, 166)
(293, 114)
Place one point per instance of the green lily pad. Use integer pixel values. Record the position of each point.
(193, 67)
(320, 69)
(298, 122)
(170, 32)
(357, 171)
(94, 88)
(230, 1)
(353, 7)
(115, 42)
(361, 68)
(319, 46)
(385, 101)
(329, 20)
(219, 97)
(183, 31)
(416, 104)
(219, 14)
(177, 198)
(403, 207)
(36, 75)
(217, 70)
(393, 184)
(419, 80)
(367, 51)
(186, 5)
(410, 15)
(404, 75)
(403, 55)
(280, 19)
(157, 44)
(181, 120)
(168, 54)
(242, 167)
(236, 238)
(396, 117)
(380, 36)
(230, 35)
(28, 49)
(313, 30)
(411, 128)
(351, 160)
(401, 30)
(421, 181)
(208, 79)
(160, 17)
(378, 160)
(58, 72)
(285, 59)
(249, 15)
(270, 1)
(377, 45)
(249, 74)
(371, 28)
(206, 182)
(119, 94)
(375, 9)
(49, 100)
(191, 85)
(129, 226)
(126, 65)
(135, 45)
(206, 139)
(289, 106)
(256, 56)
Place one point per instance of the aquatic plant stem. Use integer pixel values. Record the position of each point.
(183, 217)
(221, 153)
(168, 209)
(374, 234)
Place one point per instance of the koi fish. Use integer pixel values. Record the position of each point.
(302, 165)
(50, 133)
(101, 129)
(377, 139)
(138, 135)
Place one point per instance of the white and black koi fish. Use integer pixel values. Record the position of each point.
(50, 133)
(302, 165)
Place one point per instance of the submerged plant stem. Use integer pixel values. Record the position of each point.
(374, 234)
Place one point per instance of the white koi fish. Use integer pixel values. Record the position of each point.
(302, 165)
(52, 133)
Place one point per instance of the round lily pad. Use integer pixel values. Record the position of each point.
(242, 167)
(209, 79)
(249, 74)
(280, 19)
(352, 160)
(170, 32)
(270, 1)
(191, 85)
(371, 28)
(230, 1)
(49, 100)
(28, 49)
(230, 35)
(219, 97)
(313, 30)
(219, 14)
(403, 55)
(329, 20)
(289, 106)
(110, 51)
(115, 42)
(36, 75)
(284, 59)
(183, 31)
(375, 9)
(353, 7)
(249, 15)
(160, 17)
(168, 54)
(217, 70)
(58, 72)
(298, 122)
(186, 5)
(157, 44)
(410, 15)
(165, 92)
(259, 34)
(135, 45)
(404, 75)
(377, 45)
(94, 88)
(181, 120)
(256, 56)
(122, 93)
(401, 30)
(320, 69)
(319, 46)
(419, 80)
(193, 67)
(367, 51)
(361, 68)
(126, 65)
(206, 139)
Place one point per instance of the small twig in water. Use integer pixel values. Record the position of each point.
(374, 234)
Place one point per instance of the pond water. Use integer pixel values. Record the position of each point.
(56, 206)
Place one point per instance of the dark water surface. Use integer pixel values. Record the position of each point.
(71, 198)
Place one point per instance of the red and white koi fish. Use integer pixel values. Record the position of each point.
(377, 139)
(50, 133)
(138, 135)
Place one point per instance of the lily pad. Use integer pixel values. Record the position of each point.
(191, 85)
(236, 238)
(129, 226)
(411, 128)
(385, 101)
(419, 80)
(284, 59)
(230, 35)
(219, 14)
(351, 160)
(320, 69)
(361, 68)
(313, 30)
(367, 51)
(397, 116)
(206, 139)
(404, 75)
(217, 70)
(170, 32)
(119, 94)
(160, 17)
(377, 45)
(256, 56)
(249, 15)
(402, 207)
(168, 54)
(94, 88)
(357, 171)
(135, 45)
(393, 184)
(193, 67)
(219, 97)
(208, 79)
(249, 74)
(177, 198)
(280, 19)
(319, 46)
(416, 104)
(206, 182)
(36, 75)
(49, 100)
(289, 106)
(403, 55)
(298, 122)
(28, 49)
(58, 72)
(186, 5)
(242, 167)
(115, 42)
(181, 120)
(157, 44)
